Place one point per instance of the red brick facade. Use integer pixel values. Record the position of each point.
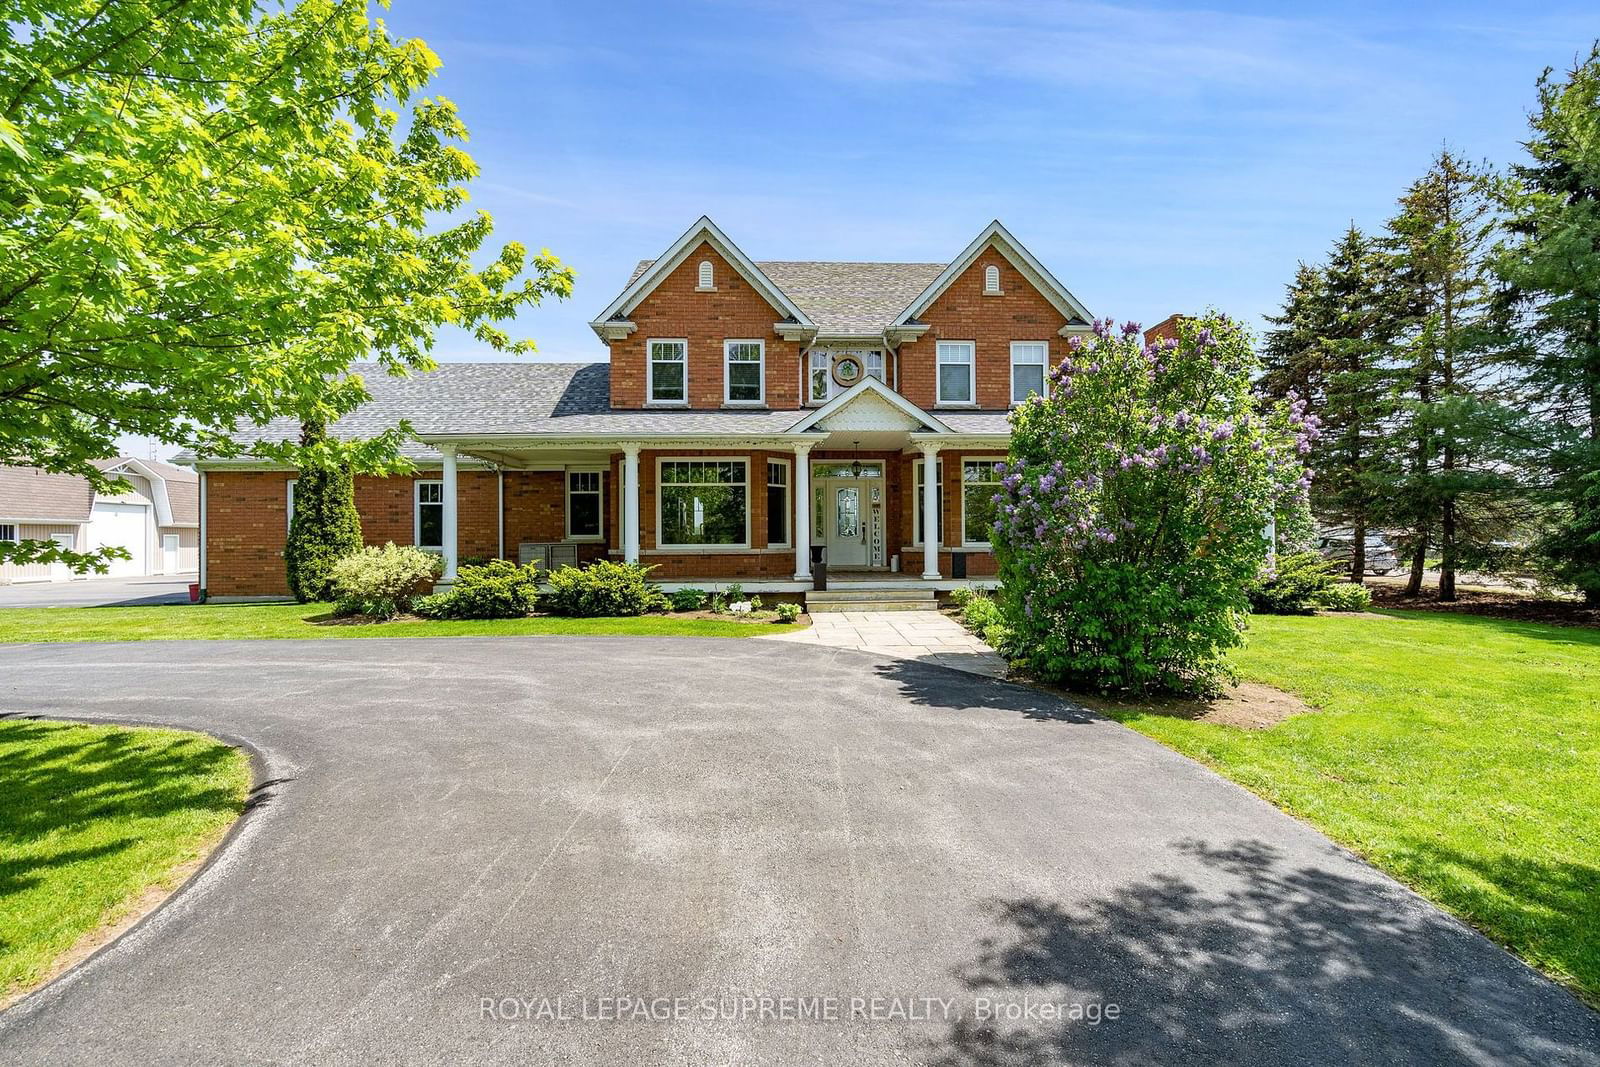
(676, 309)
(963, 313)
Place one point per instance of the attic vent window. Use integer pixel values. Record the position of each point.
(707, 277)
(991, 280)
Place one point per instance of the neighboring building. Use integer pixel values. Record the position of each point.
(157, 519)
(748, 412)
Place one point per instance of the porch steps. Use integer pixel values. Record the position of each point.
(871, 600)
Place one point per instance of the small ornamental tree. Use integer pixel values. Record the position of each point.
(326, 526)
(1134, 504)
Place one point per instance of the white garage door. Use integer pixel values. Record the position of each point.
(120, 524)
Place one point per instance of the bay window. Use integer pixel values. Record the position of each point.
(703, 502)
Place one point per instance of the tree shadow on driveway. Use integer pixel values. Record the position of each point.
(1257, 961)
(933, 686)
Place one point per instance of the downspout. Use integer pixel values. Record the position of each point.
(202, 535)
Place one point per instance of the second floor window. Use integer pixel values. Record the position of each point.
(1028, 359)
(669, 372)
(744, 371)
(821, 367)
(955, 372)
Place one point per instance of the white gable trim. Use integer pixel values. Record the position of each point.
(703, 230)
(1008, 246)
(158, 488)
(869, 385)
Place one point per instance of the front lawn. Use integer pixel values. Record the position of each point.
(1460, 754)
(218, 621)
(94, 821)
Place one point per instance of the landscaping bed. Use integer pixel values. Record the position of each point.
(1490, 603)
(98, 825)
(234, 621)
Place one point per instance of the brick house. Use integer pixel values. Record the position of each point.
(749, 413)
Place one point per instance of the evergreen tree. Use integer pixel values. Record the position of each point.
(1459, 486)
(1551, 266)
(1332, 347)
(325, 527)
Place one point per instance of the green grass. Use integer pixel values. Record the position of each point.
(1460, 754)
(90, 818)
(218, 621)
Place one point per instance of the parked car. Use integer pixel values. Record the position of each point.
(1335, 545)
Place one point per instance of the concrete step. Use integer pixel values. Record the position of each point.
(816, 607)
(870, 594)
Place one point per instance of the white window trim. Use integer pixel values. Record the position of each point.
(812, 356)
(650, 372)
(991, 273)
(661, 544)
(964, 461)
(788, 501)
(416, 512)
(1044, 371)
(15, 529)
(761, 372)
(971, 363)
(916, 492)
(566, 504)
(291, 485)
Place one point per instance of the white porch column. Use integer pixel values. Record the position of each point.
(930, 510)
(630, 503)
(802, 511)
(449, 493)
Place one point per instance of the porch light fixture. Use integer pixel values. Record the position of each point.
(855, 464)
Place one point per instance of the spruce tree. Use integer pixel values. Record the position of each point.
(326, 526)
(1551, 265)
(1458, 486)
(1332, 346)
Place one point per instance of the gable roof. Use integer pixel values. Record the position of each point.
(646, 279)
(844, 298)
(29, 494)
(1008, 246)
(869, 387)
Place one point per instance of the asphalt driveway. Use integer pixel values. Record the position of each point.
(487, 850)
(99, 592)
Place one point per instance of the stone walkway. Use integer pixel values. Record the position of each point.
(927, 636)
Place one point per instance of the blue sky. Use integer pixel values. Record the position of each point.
(1156, 157)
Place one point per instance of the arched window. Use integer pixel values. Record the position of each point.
(991, 279)
(706, 277)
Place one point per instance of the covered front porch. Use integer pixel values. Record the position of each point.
(842, 495)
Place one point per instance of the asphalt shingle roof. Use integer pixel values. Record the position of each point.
(847, 298)
(29, 493)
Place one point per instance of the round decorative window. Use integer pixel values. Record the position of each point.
(847, 370)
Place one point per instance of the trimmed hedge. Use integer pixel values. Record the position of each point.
(498, 589)
(381, 582)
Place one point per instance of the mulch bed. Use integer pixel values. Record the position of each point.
(1494, 604)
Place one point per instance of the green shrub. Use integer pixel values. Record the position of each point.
(688, 599)
(788, 612)
(1344, 596)
(1293, 586)
(962, 595)
(498, 589)
(325, 527)
(381, 582)
(734, 593)
(980, 613)
(604, 588)
(998, 636)
(1129, 519)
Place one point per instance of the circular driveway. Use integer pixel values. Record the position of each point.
(486, 850)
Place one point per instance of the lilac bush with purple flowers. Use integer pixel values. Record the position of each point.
(1133, 505)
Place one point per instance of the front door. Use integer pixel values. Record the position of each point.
(847, 511)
